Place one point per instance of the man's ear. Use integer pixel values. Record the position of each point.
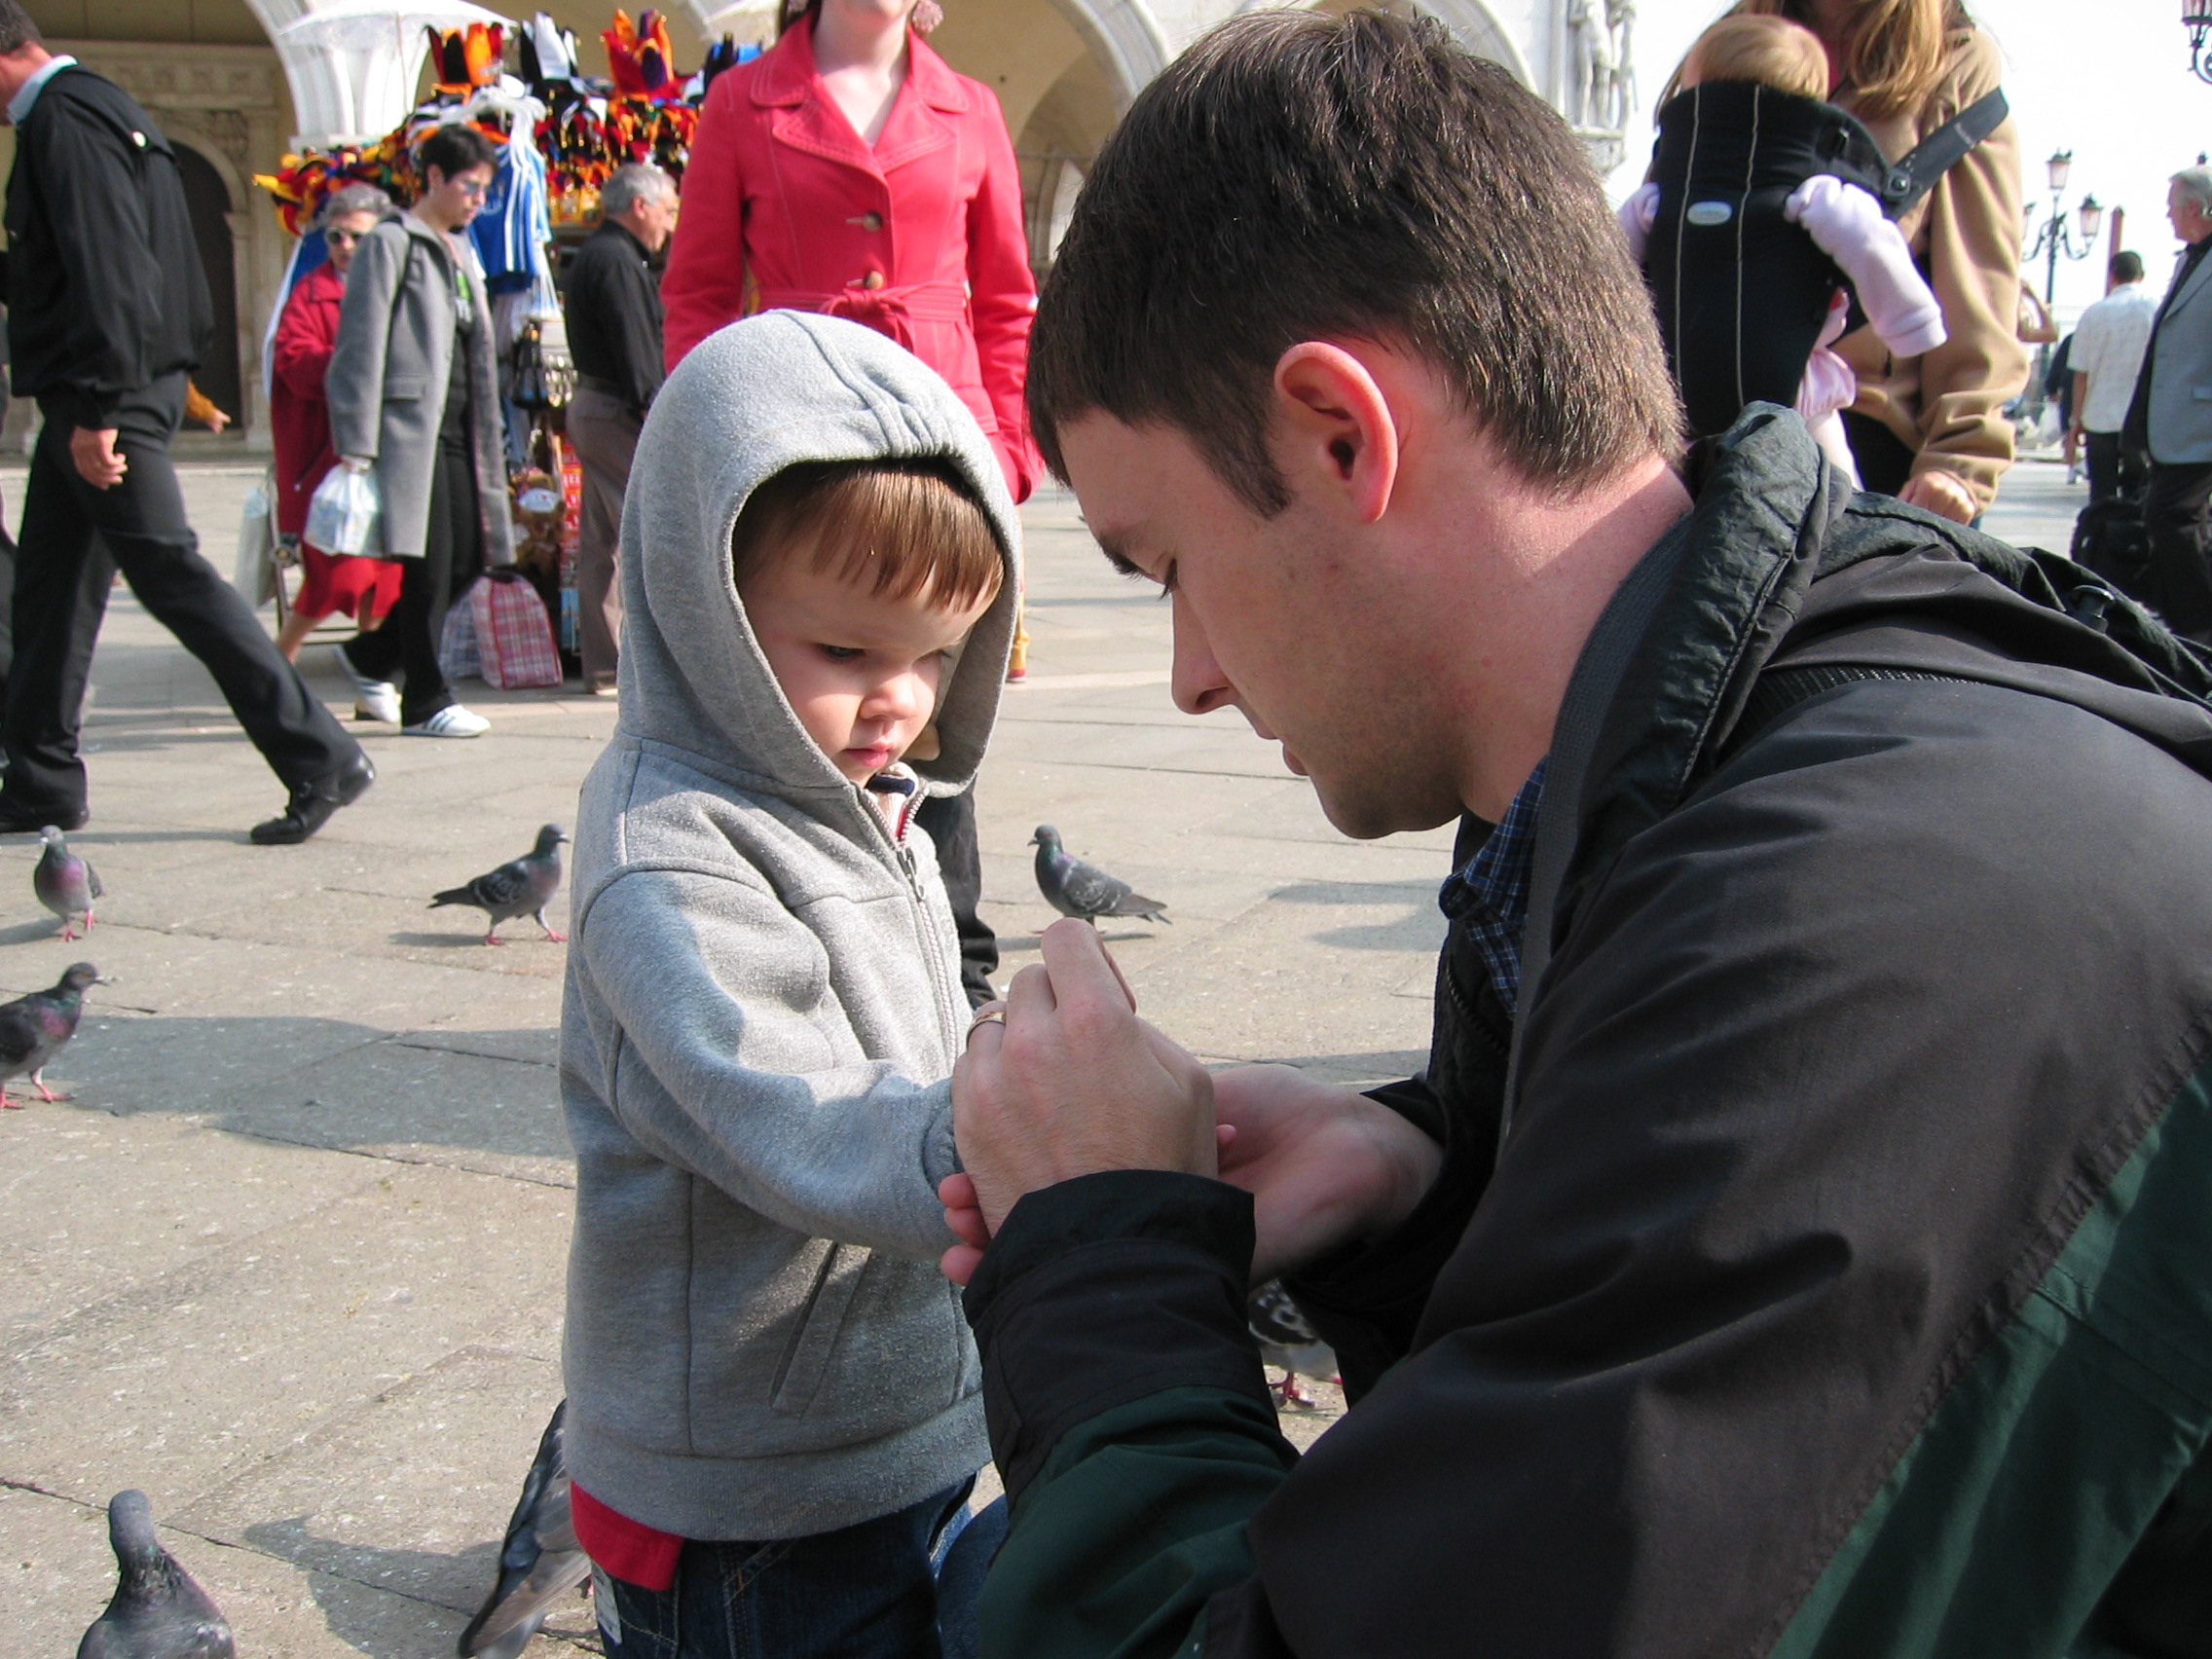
(1337, 434)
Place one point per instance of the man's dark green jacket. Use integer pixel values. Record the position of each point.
(1839, 1281)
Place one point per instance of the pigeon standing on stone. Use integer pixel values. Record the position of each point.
(157, 1611)
(1287, 1341)
(65, 883)
(540, 1559)
(33, 1029)
(522, 888)
(1077, 889)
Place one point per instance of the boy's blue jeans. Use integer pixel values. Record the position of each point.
(862, 1592)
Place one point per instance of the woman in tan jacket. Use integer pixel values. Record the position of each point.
(1932, 429)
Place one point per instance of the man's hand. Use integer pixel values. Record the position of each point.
(2070, 446)
(99, 463)
(1074, 1084)
(1324, 1166)
(1940, 493)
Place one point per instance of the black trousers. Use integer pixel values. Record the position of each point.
(2177, 517)
(74, 538)
(2115, 467)
(950, 820)
(406, 647)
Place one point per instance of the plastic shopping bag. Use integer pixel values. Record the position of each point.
(514, 640)
(256, 577)
(347, 514)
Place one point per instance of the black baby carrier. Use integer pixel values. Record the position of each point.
(1741, 292)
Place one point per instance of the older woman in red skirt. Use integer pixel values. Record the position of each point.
(299, 421)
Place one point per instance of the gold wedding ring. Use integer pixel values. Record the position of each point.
(986, 1015)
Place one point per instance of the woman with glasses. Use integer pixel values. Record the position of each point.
(299, 419)
(414, 395)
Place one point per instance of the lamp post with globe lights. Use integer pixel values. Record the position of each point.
(2056, 233)
(2197, 18)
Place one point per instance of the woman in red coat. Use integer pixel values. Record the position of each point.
(298, 425)
(849, 170)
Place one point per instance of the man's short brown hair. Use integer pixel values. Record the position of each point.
(1298, 176)
(901, 529)
(17, 30)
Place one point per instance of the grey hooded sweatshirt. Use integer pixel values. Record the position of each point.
(763, 1003)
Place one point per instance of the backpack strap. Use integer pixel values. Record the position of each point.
(1908, 180)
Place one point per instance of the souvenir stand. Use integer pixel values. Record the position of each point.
(559, 134)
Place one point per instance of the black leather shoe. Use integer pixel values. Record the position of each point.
(313, 803)
(17, 819)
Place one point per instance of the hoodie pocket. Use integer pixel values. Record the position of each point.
(806, 1360)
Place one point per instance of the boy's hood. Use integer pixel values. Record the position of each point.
(746, 403)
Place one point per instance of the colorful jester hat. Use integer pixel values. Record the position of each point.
(466, 59)
(641, 60)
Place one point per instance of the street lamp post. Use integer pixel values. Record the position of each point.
(2197, 18)
(2055, 235)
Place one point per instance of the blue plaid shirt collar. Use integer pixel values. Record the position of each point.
(1491, 894)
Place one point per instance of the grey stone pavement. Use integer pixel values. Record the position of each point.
(291, 1259)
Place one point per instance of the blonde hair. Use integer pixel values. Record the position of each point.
(1895, 53)
(901, 529)
(1772, 51)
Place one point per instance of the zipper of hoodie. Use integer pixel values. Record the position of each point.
(946, 1020)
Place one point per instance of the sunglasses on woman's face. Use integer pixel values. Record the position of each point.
(342, 238)
(471, 186)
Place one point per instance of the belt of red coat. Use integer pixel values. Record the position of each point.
(887, 311)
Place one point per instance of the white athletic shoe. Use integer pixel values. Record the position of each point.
(373, 699)
(452, 720)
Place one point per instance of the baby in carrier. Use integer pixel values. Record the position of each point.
(1753, 240)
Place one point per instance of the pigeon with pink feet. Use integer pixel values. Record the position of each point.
(65, 883)
(33, 1029)
(523, 886)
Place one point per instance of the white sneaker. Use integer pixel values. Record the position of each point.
(373, 699)
(452, 720)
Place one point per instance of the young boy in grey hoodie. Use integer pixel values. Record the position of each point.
(773, 1397)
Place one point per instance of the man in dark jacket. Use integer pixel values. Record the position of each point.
(107, 314)
(614, 317)
(1797, 1242)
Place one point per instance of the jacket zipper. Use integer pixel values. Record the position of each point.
(945, 1019)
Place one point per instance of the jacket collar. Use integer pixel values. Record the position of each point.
(1771, 518)
(2191, 285)
(789, 79)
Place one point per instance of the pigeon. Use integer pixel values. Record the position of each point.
(540, 1559)
(65, 883)
(1288, 1342)
(1077, 889)
(33, 1029)
(522, 888)
(157, 1611)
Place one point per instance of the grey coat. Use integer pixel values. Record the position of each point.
(763, 1003)
(388, 380)
(2179, 363)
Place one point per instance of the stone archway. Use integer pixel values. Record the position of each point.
(207, 197)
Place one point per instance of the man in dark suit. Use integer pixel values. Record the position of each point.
(107, 314)
(2170, 417)
(614, 319)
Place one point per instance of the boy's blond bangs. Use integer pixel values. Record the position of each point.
(1765, 48)
(901, 529)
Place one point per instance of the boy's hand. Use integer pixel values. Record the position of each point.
(1073, 1084)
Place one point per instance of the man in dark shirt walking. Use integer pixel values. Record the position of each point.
(107, 313)
(614, 319)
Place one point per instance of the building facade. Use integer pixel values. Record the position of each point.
(237, 83)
